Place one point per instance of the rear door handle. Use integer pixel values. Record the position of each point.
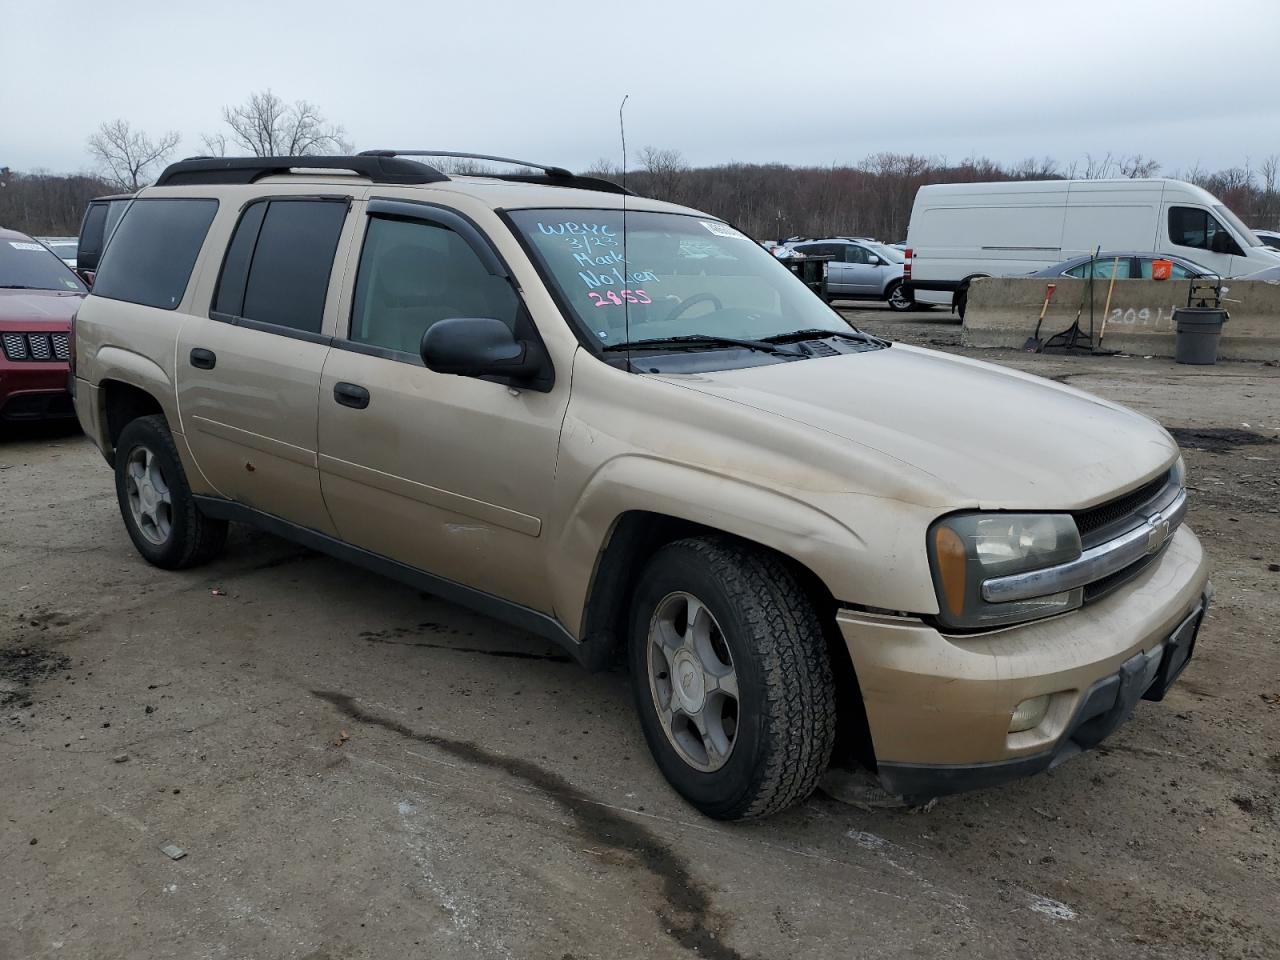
(202, 358)
(351, 395)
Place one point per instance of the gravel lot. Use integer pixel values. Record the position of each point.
(356, 770)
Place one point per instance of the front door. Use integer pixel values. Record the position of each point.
(449, 474)
(1198, 235)
(863, 276)
(249, 373)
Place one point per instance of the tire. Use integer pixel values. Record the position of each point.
(896, 299)
(767, 748)
(961, 300)
(155, 499)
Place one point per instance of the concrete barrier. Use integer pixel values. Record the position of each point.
(1001, 312)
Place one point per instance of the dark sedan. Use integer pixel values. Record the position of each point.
(1127, 265)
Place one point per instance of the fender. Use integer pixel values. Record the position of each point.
(117, 363)
(824, 543)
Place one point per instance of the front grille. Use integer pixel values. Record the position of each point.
(1101, 523)
(36, 347)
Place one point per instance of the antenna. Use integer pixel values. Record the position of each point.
(626, 302)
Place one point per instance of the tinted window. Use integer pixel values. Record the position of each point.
(92, 230)
(414, 274)
(153, 251)
(292, 259)
(1191, 227)
(855, 254)
(229, 298)
(28, 263)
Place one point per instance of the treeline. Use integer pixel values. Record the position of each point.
(769, 201)
(47, 204)
(874, 198)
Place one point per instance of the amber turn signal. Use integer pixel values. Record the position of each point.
(952, 559)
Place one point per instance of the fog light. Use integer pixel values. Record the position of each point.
(1028, 714)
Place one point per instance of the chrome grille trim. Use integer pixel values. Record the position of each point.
(1095, 563)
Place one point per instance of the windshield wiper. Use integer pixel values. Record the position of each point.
(703, 340)
(19, 286)
(815, 333)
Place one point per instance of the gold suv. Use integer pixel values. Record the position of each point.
(623, 425)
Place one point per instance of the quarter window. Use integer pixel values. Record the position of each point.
(414, 274)
(153, 252)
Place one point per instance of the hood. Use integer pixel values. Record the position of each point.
(989, 436)
(37, 309)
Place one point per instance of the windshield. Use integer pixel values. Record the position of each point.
(671, 276)
(28, 264)
(1247, 235)
(892, 254)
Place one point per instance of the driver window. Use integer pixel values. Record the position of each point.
(414, 274)
(855, 254)
(1190, 227)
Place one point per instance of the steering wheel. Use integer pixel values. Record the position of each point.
(694, 301)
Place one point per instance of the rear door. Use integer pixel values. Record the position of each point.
(248, 373)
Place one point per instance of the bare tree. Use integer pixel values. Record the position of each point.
(666, 169)
(1137, 167)
(127, 156)
(266, 126)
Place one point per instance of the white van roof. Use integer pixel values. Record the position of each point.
(1189, 191)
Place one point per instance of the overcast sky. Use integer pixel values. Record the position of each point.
(791, 81)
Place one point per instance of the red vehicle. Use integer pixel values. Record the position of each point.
(38, 296)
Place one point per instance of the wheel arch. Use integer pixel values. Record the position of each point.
(634, 537)
(121, 403)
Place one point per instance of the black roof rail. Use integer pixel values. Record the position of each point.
(551, 175)
(378, 168)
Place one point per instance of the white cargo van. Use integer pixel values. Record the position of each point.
(961, 231)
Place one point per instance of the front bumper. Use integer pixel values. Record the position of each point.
(939, 706)
(34, 391)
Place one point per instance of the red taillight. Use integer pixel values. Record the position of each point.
(906, 264)
(71, 345)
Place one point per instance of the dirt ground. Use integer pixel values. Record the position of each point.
(355, 770)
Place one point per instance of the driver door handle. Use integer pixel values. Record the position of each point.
(351, 395)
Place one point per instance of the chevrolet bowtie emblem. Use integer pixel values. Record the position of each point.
(1158, 534)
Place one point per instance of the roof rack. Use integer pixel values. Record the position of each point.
(380, 168)
(550, 176)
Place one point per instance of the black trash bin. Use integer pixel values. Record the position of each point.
(1198, 330)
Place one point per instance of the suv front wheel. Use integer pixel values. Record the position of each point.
(156, 502)
(731, 678)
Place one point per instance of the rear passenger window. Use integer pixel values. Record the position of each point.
(153, 251)
(278, 263)
(414, 274)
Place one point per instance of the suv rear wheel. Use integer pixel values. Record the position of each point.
(897, 297)
(156, 502)
(731, 678)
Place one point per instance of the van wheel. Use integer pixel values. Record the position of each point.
(961, 301)
(731, 678)
(897, 298)
(159, 511)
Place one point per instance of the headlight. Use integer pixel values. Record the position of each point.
(966, 549)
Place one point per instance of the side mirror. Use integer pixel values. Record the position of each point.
(480, 347)
(87, 276)
(876, 262)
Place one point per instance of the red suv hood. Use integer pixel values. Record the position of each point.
(37, 309)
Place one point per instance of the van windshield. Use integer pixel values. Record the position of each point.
(671, 276)
(1247, 235)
